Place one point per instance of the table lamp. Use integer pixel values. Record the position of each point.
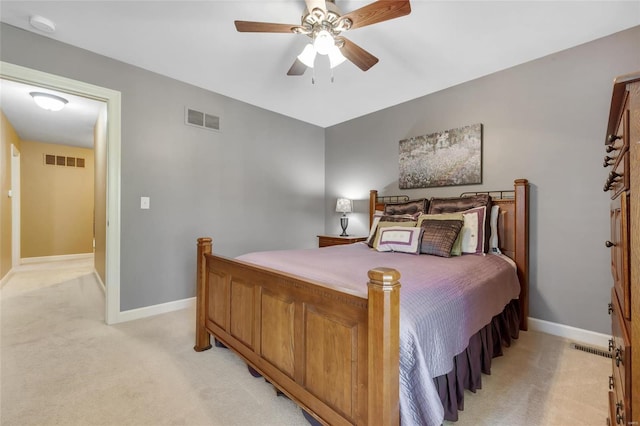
(344, 206)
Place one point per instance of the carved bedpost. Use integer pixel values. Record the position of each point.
(203, 340)
(384, 347)
(373, 197)
(522, 243)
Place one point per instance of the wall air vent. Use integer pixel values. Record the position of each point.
(201, 119)
(591, 350)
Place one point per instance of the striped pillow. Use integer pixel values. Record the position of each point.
(456, 250)
(439, 235)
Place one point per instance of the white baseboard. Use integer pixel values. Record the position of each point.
(577, 335)
(104, 289)
(6, 278)
(42, 259)
(163, 308)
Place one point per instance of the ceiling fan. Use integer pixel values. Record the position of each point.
(323, 23)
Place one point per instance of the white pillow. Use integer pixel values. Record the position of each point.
(472, 232)
(494, 246)
(374, 225)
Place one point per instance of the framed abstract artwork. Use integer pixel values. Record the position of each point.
(446, 158)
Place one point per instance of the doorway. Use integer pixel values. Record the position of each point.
(112, 100)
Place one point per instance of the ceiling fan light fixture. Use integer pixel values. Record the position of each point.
(48, 101)
(335, 57)
(324, 23)
(308, 55)
(323, 42)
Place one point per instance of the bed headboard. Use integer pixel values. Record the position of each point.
(513, 230)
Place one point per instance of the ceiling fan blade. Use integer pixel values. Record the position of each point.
(356, 54)
(298, 68)
(382, 10)
(263, 27)
(315, 4)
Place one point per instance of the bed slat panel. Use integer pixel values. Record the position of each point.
(331, 355)
(277, 331)
(218, 311)
(242, 312)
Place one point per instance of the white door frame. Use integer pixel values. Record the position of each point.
(15, 206)
(113, 100)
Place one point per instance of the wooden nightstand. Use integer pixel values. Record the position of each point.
(334, 240)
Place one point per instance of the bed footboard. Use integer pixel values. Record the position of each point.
(334, 354)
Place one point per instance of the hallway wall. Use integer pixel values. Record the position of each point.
(57, 201)
(8, 136)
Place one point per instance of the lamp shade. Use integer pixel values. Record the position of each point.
(335, 57)
(323, 42)
(344, 205)
(308, 55)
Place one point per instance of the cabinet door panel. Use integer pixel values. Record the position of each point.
(621, 352)
(620, 252)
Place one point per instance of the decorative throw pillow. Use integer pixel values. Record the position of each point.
(388, 218)
(472, 233)
(400, 217)
(458, 204)
(400, 238)
(384, 224)
(374, 225)
(456, 250)
(407, 207)
(439, 235)
(494, 244)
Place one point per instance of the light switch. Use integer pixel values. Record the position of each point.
(144, 202)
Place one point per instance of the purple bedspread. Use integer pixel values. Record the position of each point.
(443, 302)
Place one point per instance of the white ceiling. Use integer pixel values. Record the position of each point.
(73, 125)
(440, 44)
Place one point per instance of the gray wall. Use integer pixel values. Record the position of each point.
(545, 121)
(235, 186)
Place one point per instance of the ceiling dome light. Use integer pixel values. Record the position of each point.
(308, 55)
(43, 24)
(323, 42)
(48, 101)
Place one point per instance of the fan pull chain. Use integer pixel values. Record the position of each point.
(313, 75)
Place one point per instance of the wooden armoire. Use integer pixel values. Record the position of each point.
(622, 160)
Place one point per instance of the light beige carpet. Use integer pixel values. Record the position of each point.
(61, 365)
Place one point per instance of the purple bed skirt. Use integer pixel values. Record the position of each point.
(476, 359)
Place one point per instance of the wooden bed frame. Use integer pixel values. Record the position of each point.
(336, 355)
